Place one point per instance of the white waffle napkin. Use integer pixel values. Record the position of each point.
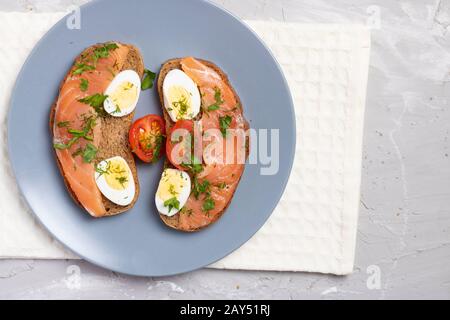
(314, 226)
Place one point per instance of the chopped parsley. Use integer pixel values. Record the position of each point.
(102, 171)
(194, 167)
(78, 134)
(88, 126)
(172, 203)
(63, 124)
(149, 78)
(208, 204)
(224, 123)
(158, 145)
(213, 107)
(128, 86)
(80, 68)
(200, 188)
(153, 142)
(100, 52)
(89, 153)
(222, 185)
(172, 190)
(117, 110)
(103, 51)
(95, 101)
(186, 211)
(122, 180)
(84, 84)
(218, 98)
(64, 146)
(182, 106)
(78, 152)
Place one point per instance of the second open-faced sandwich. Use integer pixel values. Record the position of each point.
(206, 143)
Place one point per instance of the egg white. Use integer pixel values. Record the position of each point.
(177, 77)
(122, 197)
(182, 197)
(124, 76)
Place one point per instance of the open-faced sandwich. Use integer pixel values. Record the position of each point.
(206, 144)
(89, 122)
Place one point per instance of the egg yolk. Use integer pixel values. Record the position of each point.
(180, 100)
(117, 175)
(171, 185)
(125, 95)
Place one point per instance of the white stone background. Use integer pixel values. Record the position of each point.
(404, 225)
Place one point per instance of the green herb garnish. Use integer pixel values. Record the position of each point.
(122, 180)
(222, 185)
(182, 106)
(157, 151)
(76, 135)
(218, 98)
(63, 146)
(78, 152)
(172, 203)
(149, 78)
(172, 190)
(117, 110)
(63, 124)
(84, 84)
(200, 188)
(101, 171)
(89, 153)
(80, 68)
(103, 51)
(186, 211)
(95, 101)
(224, 123)
(213, 107)
(153, 142)
(90, 150)
(100, 52)
(60, 146)
(208, 204)
(88, 126)
(80, 134)
(194, 167)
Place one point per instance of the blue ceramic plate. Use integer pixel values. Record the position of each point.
(137, 242)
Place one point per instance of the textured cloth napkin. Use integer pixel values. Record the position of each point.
(314, 226)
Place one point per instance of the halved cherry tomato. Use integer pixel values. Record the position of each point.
(146, 138)
(180, 144)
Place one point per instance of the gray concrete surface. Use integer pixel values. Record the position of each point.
(404, 226)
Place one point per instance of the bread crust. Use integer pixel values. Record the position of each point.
(173, 222)
(111, 126)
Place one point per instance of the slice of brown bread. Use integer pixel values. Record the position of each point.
(173, 222)
(114, 134)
